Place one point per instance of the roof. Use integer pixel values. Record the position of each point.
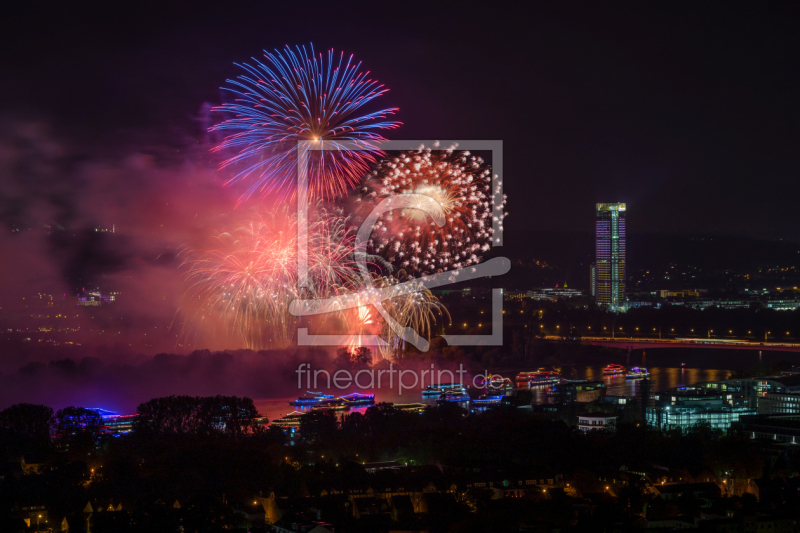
(678, 488)
(383, 464)
(789, 381)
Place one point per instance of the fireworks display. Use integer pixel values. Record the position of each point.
(458, 181)
(417, 310)
(297, 95)
(284, 110)
(248, 276)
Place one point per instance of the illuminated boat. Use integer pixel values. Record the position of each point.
(545, 377)
(411, 407)
(454, 396)
(497, 382)
(637, 373)
(331, 405)
(292, 420)
(612, 369)
(525, 377)
(314, 399)
(487, 399)
(359, 399)
(437, 390)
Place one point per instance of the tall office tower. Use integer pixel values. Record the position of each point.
(610, 259)
(593, 279)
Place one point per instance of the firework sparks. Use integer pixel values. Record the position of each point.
(296, 95)
(461, 184)
(416, 310)
(249, 276)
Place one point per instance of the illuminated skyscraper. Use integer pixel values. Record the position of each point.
(610, 255)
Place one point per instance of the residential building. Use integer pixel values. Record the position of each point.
(597, 422)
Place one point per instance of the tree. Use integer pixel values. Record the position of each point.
(197, 415)
(318, 425)
(28, 423)
(361, 356)
(78, 430)
(342, 359)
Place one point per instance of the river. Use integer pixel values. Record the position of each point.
(617, 385)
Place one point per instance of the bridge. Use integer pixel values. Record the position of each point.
(643, 343)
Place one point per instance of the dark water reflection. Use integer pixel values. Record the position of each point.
(618, 385)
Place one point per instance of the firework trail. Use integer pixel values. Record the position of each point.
(297, 95)
(417, 310)
(248, 276)
(461, 183)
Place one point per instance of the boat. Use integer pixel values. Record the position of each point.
(453, 395)
(487, 399)
(525, 377)
(438, 389)
(359, 399)
(292, 420)
(545, 377)
(331, 405)
(637, 373)
(313, 399)
(497, 382)
(411, 407)
(613, 369)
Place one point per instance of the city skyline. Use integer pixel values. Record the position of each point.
(380, 267)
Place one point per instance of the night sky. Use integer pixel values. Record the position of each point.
(687, 112)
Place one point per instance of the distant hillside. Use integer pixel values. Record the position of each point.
(568, 254)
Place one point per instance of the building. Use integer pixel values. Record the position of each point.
(784, 403)
(610, 258)
(617, 400)
(687, 293)
(579, 391)
(783, 305)
(777, 428)
(371, 468)
(766, 394)
(554, 294)
(684, 407)
(593, 279)
(706, 493)
(597, 422)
